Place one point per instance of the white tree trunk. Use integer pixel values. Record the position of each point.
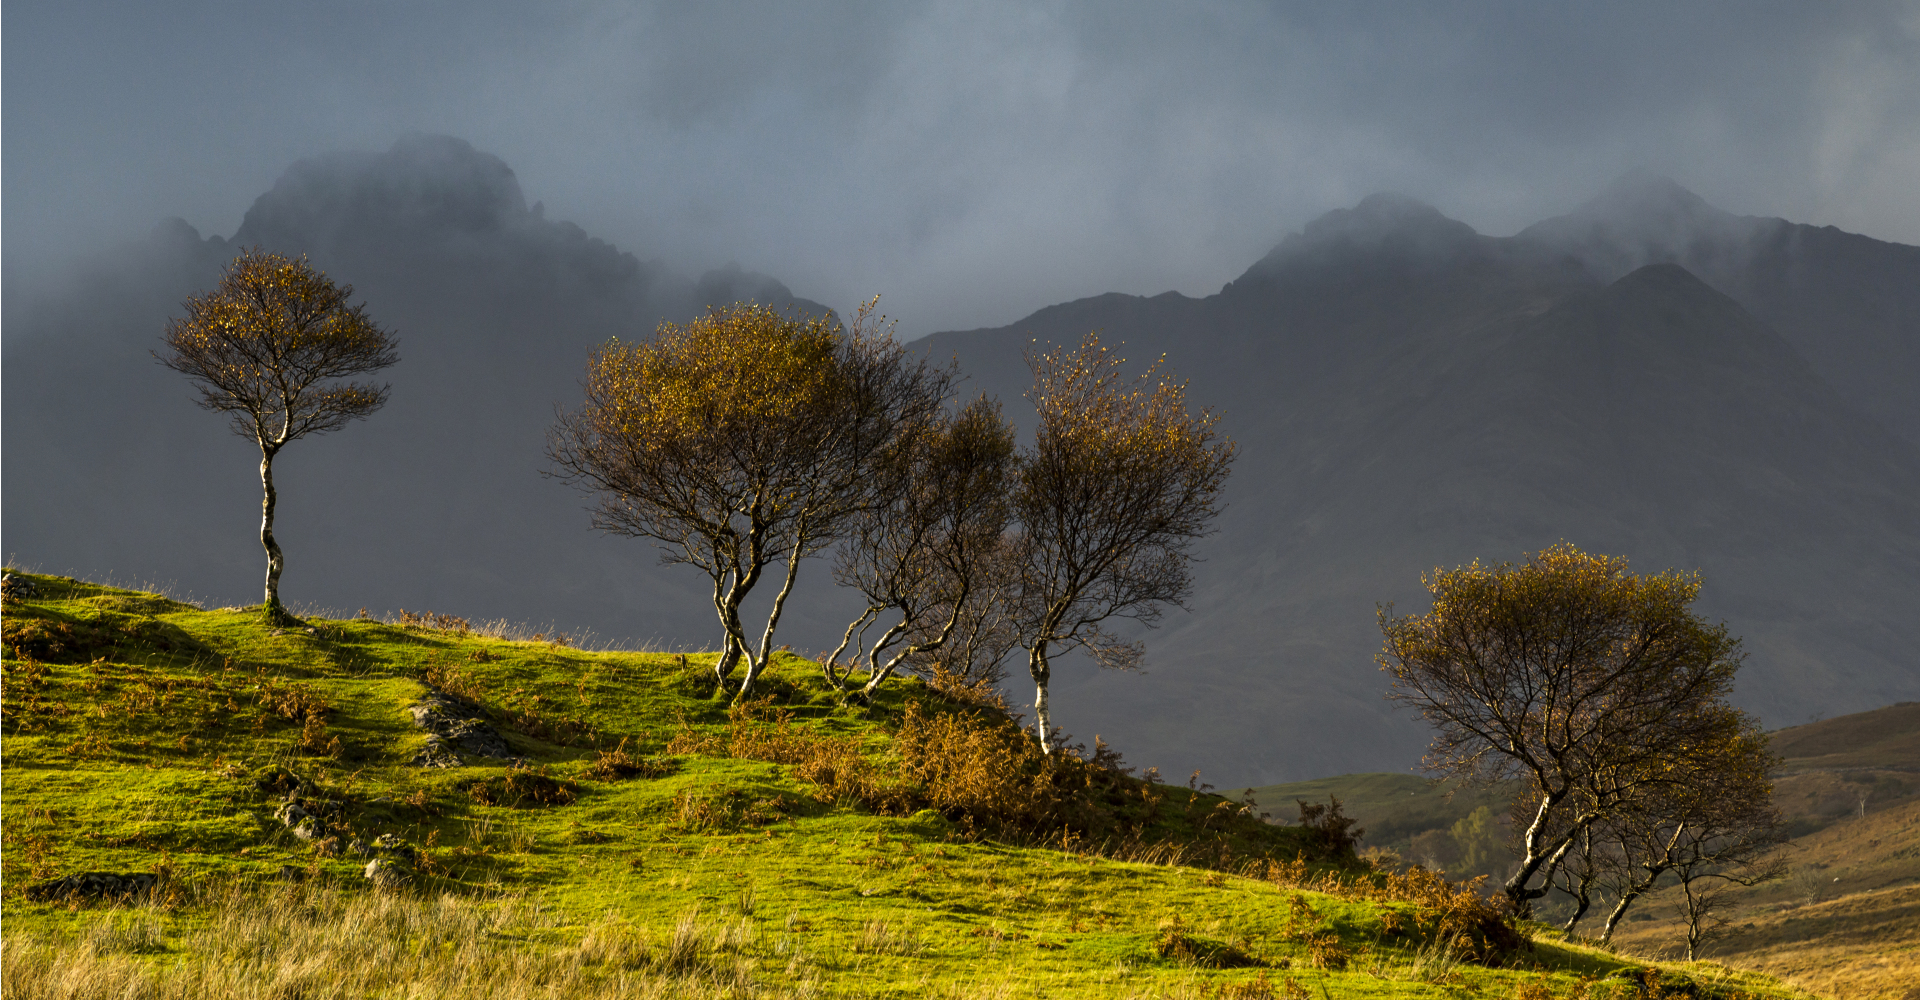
(275, 561)
(1041, 670)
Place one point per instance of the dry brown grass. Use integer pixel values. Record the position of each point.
(1846, 923)
(1863, 945)
(1453, 915)
(316, 943)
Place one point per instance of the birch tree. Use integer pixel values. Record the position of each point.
(1121, 480)
(924, 554)
(268, 345)
(743, 440)
(1721, 824)
(1597, 687)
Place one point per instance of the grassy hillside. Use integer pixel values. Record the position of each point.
(638, 835)
(1847, 922)
(1393, 809)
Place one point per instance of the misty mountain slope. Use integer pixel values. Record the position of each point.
(1849, 303)
(435, 501)
(1412, 396)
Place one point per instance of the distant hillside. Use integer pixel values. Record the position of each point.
(1886, 739)
(1408, 394)
(1845, 923)
(1392, 808)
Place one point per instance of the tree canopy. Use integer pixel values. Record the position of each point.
(267, 345)
(745, 438)
(1599, 688)
(1121, 480)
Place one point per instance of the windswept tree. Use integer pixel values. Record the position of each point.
(268, 346)
(1121, 480)
(1598, 688)
(1736, 845)
(1722, 824)
(1638, 846)
(928, 552)
(745, 439)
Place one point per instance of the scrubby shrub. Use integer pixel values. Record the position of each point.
(522, 787)
(1455, 915)
(727, 811)
(837, 766)
(1175, 944)
(612, 765)
(1333, 833)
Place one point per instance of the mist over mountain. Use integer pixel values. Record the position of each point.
(1410, 394)
(1849, 303)
(433, 502)
(1647, 376)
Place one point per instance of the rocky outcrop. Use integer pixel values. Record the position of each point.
(94, 885)
(454, 727)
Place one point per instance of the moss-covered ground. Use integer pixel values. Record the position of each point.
(146, 735)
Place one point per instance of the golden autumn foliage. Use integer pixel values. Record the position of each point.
(1121, 479)
(1598, 688)
(745, 438)
(267, 346)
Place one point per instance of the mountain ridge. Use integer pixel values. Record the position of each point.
(1498, 379)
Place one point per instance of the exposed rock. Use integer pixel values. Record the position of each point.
(401, 851)
(17, 588)
(387, 873)
(94, 885)
(360, 847)
(454, 724)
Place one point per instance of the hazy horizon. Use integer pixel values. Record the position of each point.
(970, 164)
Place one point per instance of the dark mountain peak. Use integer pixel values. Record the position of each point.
(425, 185)
(1644, 194)
(1642, 218)
(1384, 229)
(1385, 219)
(1665, 278)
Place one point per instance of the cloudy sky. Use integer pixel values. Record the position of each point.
(971, 161)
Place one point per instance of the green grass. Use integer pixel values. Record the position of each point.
(139, 732)
(1392, 808)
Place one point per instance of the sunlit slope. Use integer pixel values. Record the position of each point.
(646, 836)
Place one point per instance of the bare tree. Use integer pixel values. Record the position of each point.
(925, 552)
(1596, 686)
(265, 346)
(1119, 483)
(1736, 848)
(744, 439)
(986, 632)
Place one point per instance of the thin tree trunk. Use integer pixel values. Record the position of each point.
(1040, 670)
(946, 632)
(1536, 858)
(1579, 911)
(756, 664)
(726, 604)
(838, 679)
(275, 561)
(1584, 895)
(1619, 910)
